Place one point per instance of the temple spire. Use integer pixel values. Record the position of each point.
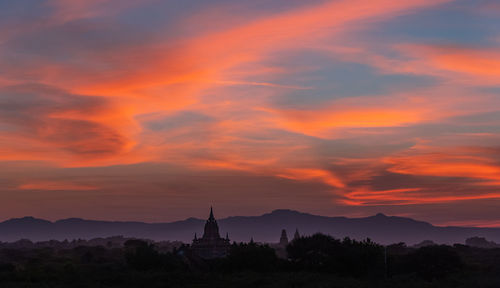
(297, 235)
(211, 214)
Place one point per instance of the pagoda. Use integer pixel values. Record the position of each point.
(211, 245)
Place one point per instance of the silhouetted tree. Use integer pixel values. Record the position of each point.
(434, 262)
(323, 253)
(141, 255)
(315, 252)
(251, 256)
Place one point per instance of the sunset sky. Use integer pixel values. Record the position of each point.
(154, 110)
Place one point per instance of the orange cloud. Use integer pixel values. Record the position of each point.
(56, 186)
(166, 76)
(397, 110)
(409, 196)
(318, 123)
(472, 223)
(461, 65)
(445, 165)
(43, 119)
(479, 64)
(308, 174)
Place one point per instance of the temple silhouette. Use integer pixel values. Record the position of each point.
(283, 238)
(211, 245)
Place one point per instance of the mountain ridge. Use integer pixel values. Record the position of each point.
(265, 228)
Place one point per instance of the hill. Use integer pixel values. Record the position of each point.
(265, 228)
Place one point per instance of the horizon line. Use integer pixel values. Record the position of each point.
(479, 224)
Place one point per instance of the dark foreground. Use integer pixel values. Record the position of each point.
(315, 261)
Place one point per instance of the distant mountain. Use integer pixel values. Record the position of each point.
(265, 228)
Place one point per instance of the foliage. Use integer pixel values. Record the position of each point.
(251, 256)
(314, 261)
(348, 257)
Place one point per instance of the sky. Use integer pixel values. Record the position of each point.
(154, 110)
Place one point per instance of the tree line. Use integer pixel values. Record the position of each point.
(311, 261)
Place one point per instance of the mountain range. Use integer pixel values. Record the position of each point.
(265, 228)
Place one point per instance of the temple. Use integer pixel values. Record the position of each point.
(283, 238)
(211, 245)
(296, 235)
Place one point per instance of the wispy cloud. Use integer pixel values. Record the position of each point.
(55, 186)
